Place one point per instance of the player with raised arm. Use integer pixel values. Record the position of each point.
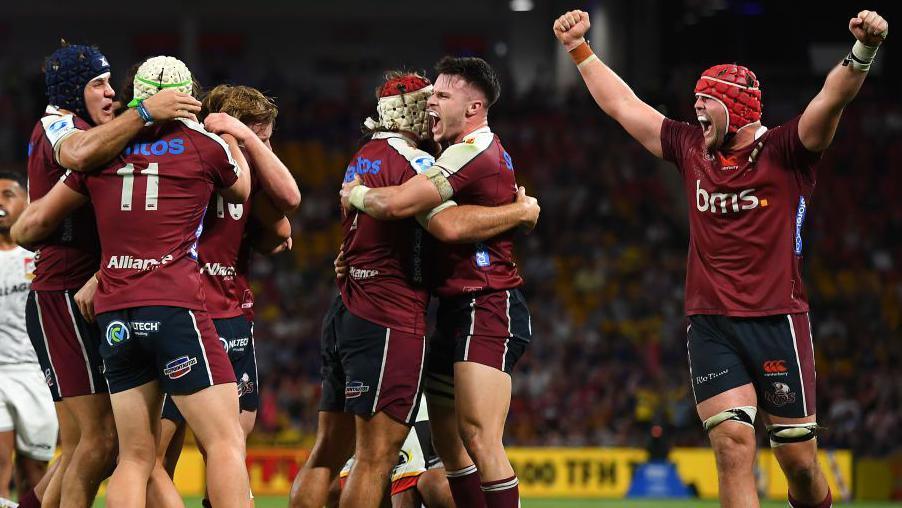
(230, 231)
(749, 337)
(157, 335)
(78, 131)
(483, 323)
(28, 425)
(374, 343)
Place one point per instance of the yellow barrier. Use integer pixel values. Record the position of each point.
(544, 472)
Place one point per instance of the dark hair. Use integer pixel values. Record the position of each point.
(17, 177)
(474, 71)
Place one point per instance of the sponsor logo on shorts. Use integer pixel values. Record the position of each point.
(179, 367)
(361, 273)
(145, 328)
(237, 345)
(355, 389)
(132, 263)
(709, 376)
(245, 386)
(48, 377)
(775, 368)
(116, 333)
(781, 395)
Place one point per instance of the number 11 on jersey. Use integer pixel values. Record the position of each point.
(151, 198)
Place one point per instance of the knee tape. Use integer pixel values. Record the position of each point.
(783, 434)
(741, 414)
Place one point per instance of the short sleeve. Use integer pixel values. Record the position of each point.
(57, 128)
(790, 145)
(220, 164)
(460, 164)
(76, 181)
(676, 138)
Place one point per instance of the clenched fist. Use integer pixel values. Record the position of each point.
(869, 28)
(571, 28)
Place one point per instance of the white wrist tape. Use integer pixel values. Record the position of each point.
(357, 197)
(861, 56)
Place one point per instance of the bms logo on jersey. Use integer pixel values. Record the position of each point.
(725, 202)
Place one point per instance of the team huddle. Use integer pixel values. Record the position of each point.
(144, 207)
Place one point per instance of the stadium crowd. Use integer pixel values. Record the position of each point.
(604, 269)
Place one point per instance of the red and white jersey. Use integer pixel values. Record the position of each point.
(70, 256)
(745, 220)
(16, 275)
(480, 172)
(150, 202)
(384, 284)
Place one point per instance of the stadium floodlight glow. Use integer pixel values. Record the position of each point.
(521, 5)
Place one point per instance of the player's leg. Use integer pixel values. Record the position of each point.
(197, 373)
(58, 330)
(95, 453)
(726, 404)
(408, 498)
(497, 336)
(383, 370)
(379, 438)
(782, 348)
(169, 447)
(481, 415)
(239, 335)
(463, 477)
(36, 425)
(137, 415)
(434, 489)
(335, 434)
(732, 434)
(69, 434)
(7, 448)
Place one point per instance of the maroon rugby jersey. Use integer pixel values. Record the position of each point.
(384, 281)
(150, 203)
(480, 172)
(223, 253)
(70, 256)
(745, 220)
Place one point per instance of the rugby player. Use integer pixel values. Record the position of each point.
(230, 231)
(749, 336)
(374, 336)
(483, 324)
(78, 131)
(28, 425)
(157, 335)
(418, 478)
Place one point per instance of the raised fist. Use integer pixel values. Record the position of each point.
(571, 28)
(869, 28)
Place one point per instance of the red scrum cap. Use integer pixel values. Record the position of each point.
(405, 83)
(736, 88)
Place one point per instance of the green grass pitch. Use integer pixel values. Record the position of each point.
(282, 502)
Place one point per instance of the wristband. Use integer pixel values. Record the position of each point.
(581, 53)
(142, 111)
(358, 194)
(861, 56)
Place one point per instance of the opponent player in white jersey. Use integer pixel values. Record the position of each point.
(27, 418)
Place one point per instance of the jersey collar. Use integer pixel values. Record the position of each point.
(387, 135)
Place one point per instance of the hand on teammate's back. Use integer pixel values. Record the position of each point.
(84, 298)
(531, 210)
(341, 266)
(571, 28)
(170, 104)
(869, 27)
(345, 194)
(224, 123)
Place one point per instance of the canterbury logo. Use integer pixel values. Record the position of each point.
(775, 366)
